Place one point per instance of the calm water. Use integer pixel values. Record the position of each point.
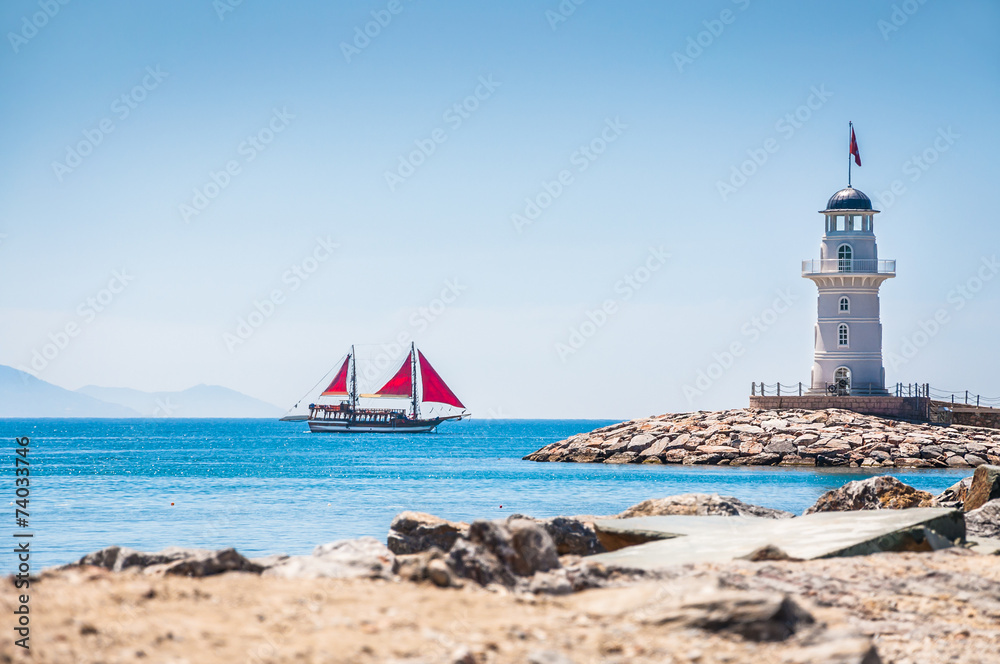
(269, 487)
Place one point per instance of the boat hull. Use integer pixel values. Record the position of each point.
(399, 426)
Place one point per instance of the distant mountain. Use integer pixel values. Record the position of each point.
(23, 395)
(199, 401)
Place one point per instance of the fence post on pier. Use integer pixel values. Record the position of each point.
(779, 388)
(800, 388)
(753, 389)
(966, 397)
(953, 397)
(977, 400)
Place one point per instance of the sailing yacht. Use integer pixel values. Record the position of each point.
(415, 380)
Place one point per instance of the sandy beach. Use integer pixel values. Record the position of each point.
(912, 607)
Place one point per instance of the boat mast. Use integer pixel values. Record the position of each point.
(354, 379)
(413, 378)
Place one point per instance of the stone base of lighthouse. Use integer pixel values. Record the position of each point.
(899, 408)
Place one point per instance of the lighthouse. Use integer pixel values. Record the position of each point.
(848, 334)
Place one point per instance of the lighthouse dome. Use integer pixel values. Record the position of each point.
(849, 199)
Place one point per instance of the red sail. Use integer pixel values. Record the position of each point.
(338, 388)
(434, 388)
(400, 385)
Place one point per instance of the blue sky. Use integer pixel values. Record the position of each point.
(310, 136)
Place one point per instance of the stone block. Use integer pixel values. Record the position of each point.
(985, 487)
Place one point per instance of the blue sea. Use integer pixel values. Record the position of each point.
(264, 486)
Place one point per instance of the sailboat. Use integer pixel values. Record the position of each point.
(415, 380)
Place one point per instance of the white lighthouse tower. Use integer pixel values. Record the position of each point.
(848, 274)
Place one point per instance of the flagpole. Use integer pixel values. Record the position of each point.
(850, 137)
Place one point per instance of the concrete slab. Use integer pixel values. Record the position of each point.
(987, 546)
(617, 534)
(693, 539)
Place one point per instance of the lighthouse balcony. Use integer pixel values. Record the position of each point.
(849, 265)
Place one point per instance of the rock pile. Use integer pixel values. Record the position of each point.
(740, 437)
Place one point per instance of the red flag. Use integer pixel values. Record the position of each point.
(854, 148)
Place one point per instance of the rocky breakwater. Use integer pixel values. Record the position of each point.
(751, 437)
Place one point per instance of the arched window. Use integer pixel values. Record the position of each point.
(844, 255)
(845, 305)
(843, 335)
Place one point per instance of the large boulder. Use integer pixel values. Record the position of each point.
(984, 521)
(875, 493)
(364, 557)
(572, 536)
(413, 532)
(478, 563)
(534, 548)
(985, 486)
(701, 504)
(500, 552)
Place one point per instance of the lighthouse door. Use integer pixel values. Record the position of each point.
(842, 380)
